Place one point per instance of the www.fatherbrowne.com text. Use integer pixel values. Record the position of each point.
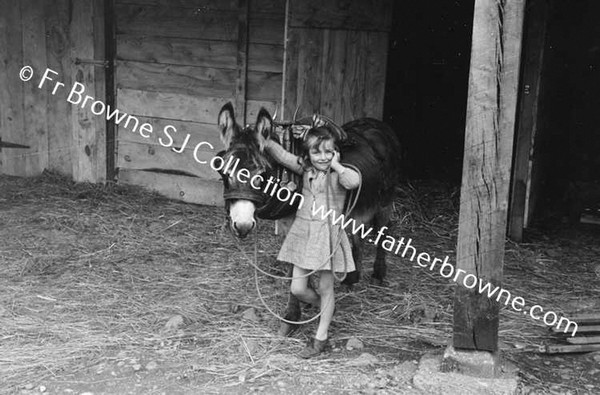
(270, 186)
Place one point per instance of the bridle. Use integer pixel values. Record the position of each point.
(271, 208)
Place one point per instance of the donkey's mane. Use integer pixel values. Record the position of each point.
(245, 147)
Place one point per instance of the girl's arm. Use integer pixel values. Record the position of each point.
(283, 157)
(347, 177)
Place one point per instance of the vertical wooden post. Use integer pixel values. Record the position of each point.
(242, 61)
(11, 94)
(59, 112)
(491, 109)
(35, 99)
(110, 49)
(533, 55)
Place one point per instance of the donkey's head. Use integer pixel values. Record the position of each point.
(245, 168)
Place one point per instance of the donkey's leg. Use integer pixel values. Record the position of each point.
(382, 218)
(357, 255)
(292, 311)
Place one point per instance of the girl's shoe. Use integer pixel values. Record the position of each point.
(314, 349)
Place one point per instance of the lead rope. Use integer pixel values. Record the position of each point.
(262, 300)
(332, 252)
(349, 209)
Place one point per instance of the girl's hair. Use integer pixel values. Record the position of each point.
(314, 138)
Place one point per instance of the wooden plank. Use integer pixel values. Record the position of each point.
(111, 86)
(586, 318)
(267, 6)
(254, 106)
(187, 189)
(536, 21)
(266, 28)
(198, 132)
(146, 156)
(265, 57)
(309, 80)
(181, 51)
(11, 95)
(4, 77)
(264, 86)
(99, 155)
(170, 105)
(333, 93)
(290, 72)
(84, 148)
(60, 135)
(572, 348)
(188, 80)
(165, 21)
(584, 340)
(580, 328)
(349, 15)
(491, 108)
(35, 99)
(199, 6)
(375, 72)
(242, 62)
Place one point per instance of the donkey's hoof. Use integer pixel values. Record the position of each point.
(286, 329)
(376, 281)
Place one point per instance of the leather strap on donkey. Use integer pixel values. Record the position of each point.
(273, 207)
(290, 136)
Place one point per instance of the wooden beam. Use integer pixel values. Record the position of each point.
(491, 109)
(584, 340)
(242, 61)
(533, 52)
(11, 95)
(110, 54)
(586, 318)
(562, 349)
(580, 329)
(176, 187)
(35, 99)
(57, 15)
(88, 149)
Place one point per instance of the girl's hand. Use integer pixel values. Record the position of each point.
(335, 161)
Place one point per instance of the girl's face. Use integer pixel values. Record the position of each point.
(321, 155)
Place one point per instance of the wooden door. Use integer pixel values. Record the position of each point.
(177, 64)
(336, 56)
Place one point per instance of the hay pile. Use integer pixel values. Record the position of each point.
(90, 274)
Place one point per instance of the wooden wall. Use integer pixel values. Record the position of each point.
(336, 57)
(177, 64)
(61, 137)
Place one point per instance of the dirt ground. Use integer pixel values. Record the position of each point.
(112, 290)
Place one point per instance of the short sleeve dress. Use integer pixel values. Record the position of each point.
(308, 244)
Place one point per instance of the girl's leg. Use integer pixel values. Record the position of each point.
(300, 288)
(326, 284)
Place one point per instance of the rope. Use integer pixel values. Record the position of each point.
(277, 315)
(337, 243)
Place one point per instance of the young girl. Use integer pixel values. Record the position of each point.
(311, 240)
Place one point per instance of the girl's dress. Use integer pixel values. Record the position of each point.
(308, 244)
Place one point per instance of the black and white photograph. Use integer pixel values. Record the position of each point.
(299, 197)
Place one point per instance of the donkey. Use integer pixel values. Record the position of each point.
(369, 145)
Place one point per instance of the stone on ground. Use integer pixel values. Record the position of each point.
(431, 380)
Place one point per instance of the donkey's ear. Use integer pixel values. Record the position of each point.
(264, 126)
(226, 123)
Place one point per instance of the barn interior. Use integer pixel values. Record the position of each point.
(426, 96)
(100, 282)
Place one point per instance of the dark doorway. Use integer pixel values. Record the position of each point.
(567, 147)
(427, 82)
